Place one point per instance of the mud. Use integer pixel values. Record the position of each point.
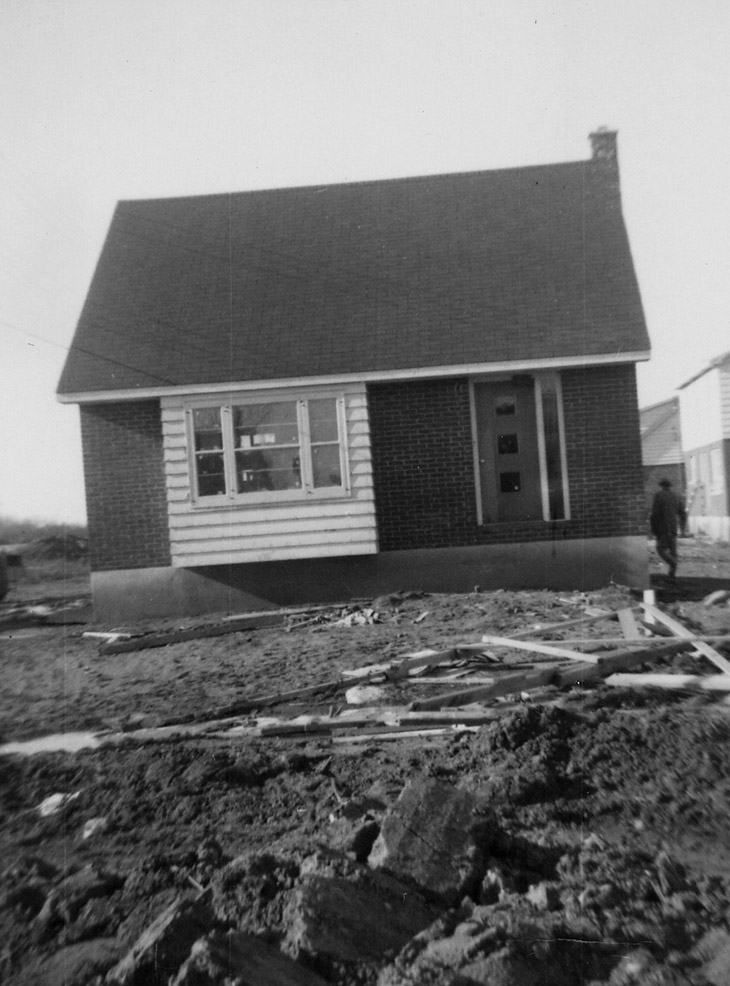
(599, 851)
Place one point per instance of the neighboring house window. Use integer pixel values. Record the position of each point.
(263, 450)
(521, 467)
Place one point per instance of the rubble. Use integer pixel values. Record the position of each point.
(541, 833)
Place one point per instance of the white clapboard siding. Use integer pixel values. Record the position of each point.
(725, 399)
(319, 527)
(233, 558)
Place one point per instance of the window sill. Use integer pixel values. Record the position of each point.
(257, 500)
(505, 524)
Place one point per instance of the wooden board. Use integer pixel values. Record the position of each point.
(148, 640)
(550, 627)
(536, 648)
(690, 682)
(560, 676)
(679, 630)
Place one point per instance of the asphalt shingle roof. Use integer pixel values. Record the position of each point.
(514, 264)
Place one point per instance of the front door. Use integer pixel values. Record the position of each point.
(509, 468)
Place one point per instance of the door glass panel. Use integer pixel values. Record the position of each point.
(510, 482)
(508, 444)
(553, 464)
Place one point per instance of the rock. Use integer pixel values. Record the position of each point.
(428, 839)
(334, 920)
(164, 945)
(57, 802)
(496, 883)
(95, 826)
(713, 950)
(248, 961)
(633, 968)
(364, 695)
(74, 965)
(544, 896)
(348, 837)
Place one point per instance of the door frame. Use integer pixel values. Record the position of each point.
(539, 379)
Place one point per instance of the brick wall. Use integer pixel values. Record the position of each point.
(424, 468)
(125, 485)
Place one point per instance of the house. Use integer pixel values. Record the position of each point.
(661, 447)
(704, 402)
(330, 392)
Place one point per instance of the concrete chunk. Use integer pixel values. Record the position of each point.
(164, 945)
(428, 839)
(237, 957)
(344, 921)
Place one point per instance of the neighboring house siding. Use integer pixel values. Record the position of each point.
(270, 532)
(423, 463)
(725, 399)
(700, 411)
(125, 485)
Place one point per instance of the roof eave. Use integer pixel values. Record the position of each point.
(373, 376)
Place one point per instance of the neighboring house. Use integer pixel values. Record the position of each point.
(332, 392)
(661, 447)
(704, 402)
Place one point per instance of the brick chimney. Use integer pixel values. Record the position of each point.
(603, 144)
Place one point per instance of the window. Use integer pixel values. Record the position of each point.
(264, 450)
(521, 470)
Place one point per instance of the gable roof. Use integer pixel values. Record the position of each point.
(447, 270)
(718, 362)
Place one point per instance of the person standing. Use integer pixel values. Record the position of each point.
(667, 516)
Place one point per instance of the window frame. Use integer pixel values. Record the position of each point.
(307, 492)
(540, 381)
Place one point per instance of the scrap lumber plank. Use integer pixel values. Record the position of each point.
(263, 701)
(508, 685)
(619, 660)
(400, 667)
(146, 640)
(627, 622)
(384, 719)
(536, 647)
(405, 733)
(690, 682)
(556, 675)
(624, 641)
(679, 630)
(609, 614)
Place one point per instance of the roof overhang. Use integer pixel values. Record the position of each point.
(374, 376)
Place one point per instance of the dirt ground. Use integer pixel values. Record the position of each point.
(608, 860)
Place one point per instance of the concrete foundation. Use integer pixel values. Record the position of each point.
(135, 594)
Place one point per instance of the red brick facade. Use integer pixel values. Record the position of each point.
(125, 485)
(424, 467)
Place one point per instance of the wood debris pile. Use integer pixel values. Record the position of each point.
(463, 687)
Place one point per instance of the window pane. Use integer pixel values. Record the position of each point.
(552, 450)
(326, 469)
(505, 404)
(257, 425)
(211, 474)
(507, 444)
(269, 469)
(509, 482)
(207, 428)
(323, 420)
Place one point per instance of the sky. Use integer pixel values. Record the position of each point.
(105, 100)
